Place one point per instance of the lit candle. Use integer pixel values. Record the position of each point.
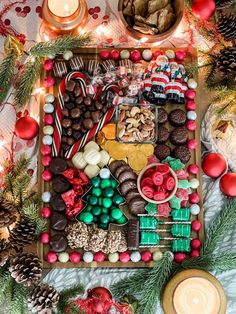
(63, 8)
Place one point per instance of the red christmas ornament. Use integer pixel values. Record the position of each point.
(48, 65)
(214, 165)
(46, 160)
(51, 257)
(180, 55)
(179, 257)
(192, 144)
(115, 55)
(100, 292)
(196, 225)
(46, 175)
(49, 81)
(196, 244)
(124, 257)
(45, 237)
(228, 184)
(193, 169)
(203, 9)
(135, 55)
(156, 54)
(97, 306)
(26, 128)
(46, 212)
(75, 257)
(48, 119)
(195, 253)
(104, 54)
(46, 150)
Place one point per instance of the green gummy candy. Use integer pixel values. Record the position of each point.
(106, 183)
(176, 164)
(96, 192)
(116, 213)
(180, 230)
(118, 199)
(107, 202)
(168, 159)
(93, 200)
(151, 208)
(95, 182)
(87, 218)
(114, 183)
(175, 202)
(182, 214)
(108, 192)
(181, 245)
(105, 219)
(122, 220)
(184, 184)
(148, 222)
(96, 211)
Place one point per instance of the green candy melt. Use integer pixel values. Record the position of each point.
(95, 182)
(105, 218)
(118, 199)
(114, 183)
(87, 218)
(93, 200)
(108, 192)
(122, 220)
(106, 183)
(107, 202)
(116, 213)
(96, 192)
(96, 211)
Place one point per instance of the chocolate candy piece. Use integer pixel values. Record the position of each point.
(177, 117)
(76, 126)
(65, 112)
(76, 63)
(179, 136)
(66, 98)
(133, 234)
(98, 105)
(95, 116)
(69, 132)
(75, 113)
(58, 243)
(70, 140)
(88, 101)
(162, 116)
(66, 123)
(70, 85)
(60, 184)
(77, 91)
(131, 195)
(137, 206)
(57, 203)
(182, 153)
(114, 165)
(76, 135)
(119, 170)
(87, 114)
(79, 100)
(58, 221)
(58, 165)
(70, 105)
(162, 135)
(127, 175)
(88, 124)
(162, 151)
(126, 186)
(59, 69)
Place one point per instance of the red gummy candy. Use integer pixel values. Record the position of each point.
(169, 183)
(164, 168)
(149, 172)
(159, 196)
(184, 204)
(157, 178)
(69, 197)
(164, 209)
(182, 174)
(182, 194)
(146, 181)
(161, 188)
(148, 191)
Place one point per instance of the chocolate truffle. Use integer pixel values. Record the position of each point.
(179, 136)
(79, 100)
(182, 153)
(177, 117)
(137, 206)
(66, 123)
(162, 151)
(70, 105)
(75, 113)
(131, 195)
(126, 186)
(162, 116)
(57, 203)
(114, 165)
(58, 221)
(162, 135)
(65, 112)
(88, 101)
(58, 243)
(58, 165)
(88, 124)
(66, 98)
(95, 116)
(77, 91)
(127, 175)
(60, 184)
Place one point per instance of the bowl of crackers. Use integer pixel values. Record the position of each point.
(156, 20)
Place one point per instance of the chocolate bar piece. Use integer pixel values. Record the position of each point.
(59, 69)
(133, 234)
(76, 63)
(146, 222)
(149, 238)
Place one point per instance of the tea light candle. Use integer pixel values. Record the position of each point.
(63, 8)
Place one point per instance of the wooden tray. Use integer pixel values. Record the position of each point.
(93, 53)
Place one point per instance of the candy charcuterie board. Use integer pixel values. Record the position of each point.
(120, 159)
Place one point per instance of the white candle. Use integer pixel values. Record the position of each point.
(196, 295)
(63, 8)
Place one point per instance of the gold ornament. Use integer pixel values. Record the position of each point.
(12, 44)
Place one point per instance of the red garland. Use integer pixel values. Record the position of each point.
(98, 305)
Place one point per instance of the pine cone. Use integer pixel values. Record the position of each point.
(226, 62)
(220, 4)
(23, 234)
(42, 298)
(4, 245)
(227, 26)
(5, 252)
(26, 268)
(7, 215)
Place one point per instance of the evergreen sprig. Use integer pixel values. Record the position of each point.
(6, 74)
(68, 294)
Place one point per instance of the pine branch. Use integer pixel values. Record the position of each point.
(153, 286)
(68, 294)
(219, 227)
(6, 74)
(19, 300)
(60, 45)
(27, 80)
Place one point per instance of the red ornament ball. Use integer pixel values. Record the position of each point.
(45, 237)
(26, 128)
(51, 257)
(190, 105)
(48, 119)
(100, 292)
(195, 253)
(49, 81)
(46, 160)
(115, 55)
(180, 55)
(228, 184)
(99, 257)
(191, 125)
(214, 165)
(124, 257)
(194, 198)
(179, 257)
(97, 306)
(75, 257)
(146, 256)
(46, 212)
(135, 55)
(196, 225)
(157, 54)
(47, 175)
(203, 9)
(192, 144)
(46, 150)
(48, 65)
(196, 244)
(104, 54)
(193, 169)
(190, 94)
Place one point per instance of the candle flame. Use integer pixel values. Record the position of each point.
(66, 8)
